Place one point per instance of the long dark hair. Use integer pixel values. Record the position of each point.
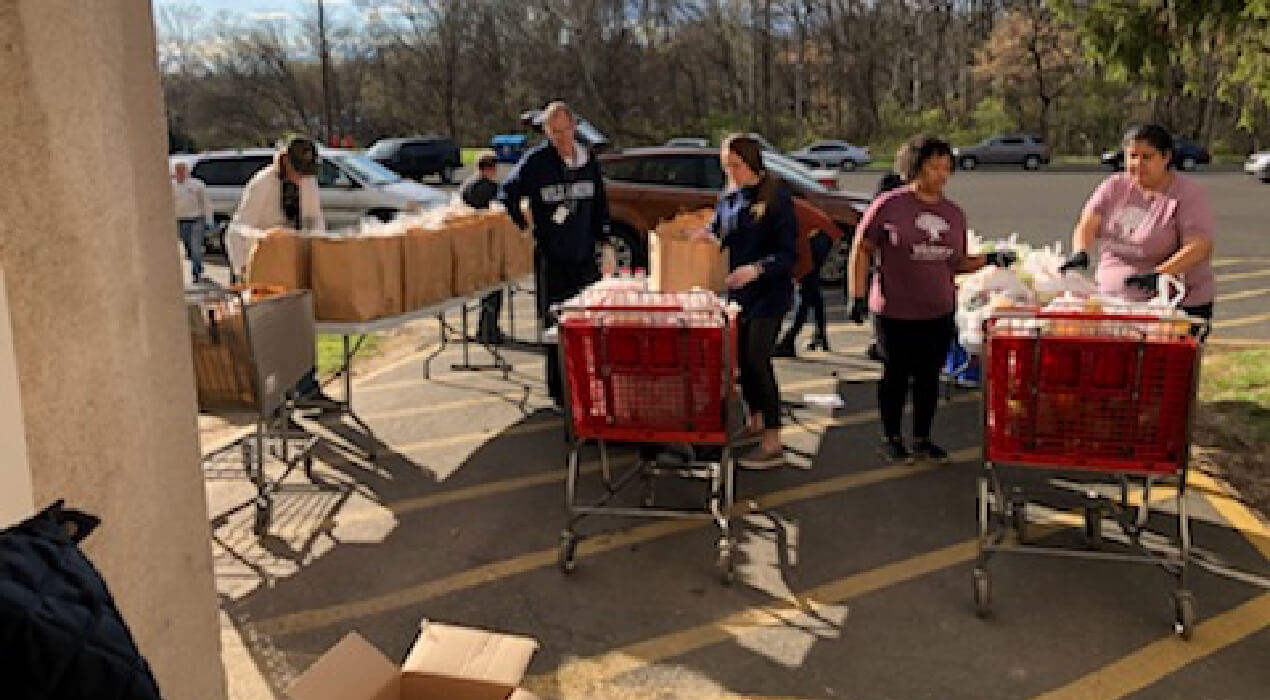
(751, 153)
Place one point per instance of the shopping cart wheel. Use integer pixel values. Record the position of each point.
(983, 591)
(1183, 613)
(264, 513)
(1093, 526)
(725, 564)
(1018, 520)
(568, 548)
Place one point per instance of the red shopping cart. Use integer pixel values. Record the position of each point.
(643, 367)
(1089, 411)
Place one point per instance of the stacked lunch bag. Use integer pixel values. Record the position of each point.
(61, 636)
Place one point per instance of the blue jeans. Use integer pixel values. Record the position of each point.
(191, 231)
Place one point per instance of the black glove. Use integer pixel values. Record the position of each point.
(1002, 258)
(1146, 281)
(859, 310)
(1078, 261)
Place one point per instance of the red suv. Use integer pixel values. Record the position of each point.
(648, 185)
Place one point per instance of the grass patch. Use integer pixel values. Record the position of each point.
(330, 350)
(1237, 386)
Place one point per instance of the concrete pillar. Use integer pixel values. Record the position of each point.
(89, 253)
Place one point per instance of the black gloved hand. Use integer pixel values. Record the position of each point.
(1146, 281)
(859, 310)
(1002, 258)
(1078, 261)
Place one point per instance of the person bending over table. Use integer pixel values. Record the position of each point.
(1148, 220)
(918, 237)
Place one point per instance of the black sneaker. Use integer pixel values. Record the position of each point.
(927, 450)
(873, 352)
(784, 349)
(894, 450)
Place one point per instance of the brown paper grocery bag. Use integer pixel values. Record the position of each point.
(281, 258)
(679, 264)
(516, 248)
(357, 279)
(427, 267)
(476, 261)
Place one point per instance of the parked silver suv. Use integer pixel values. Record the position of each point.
(353, 187)
(1004, 149)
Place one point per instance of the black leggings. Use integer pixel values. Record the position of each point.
(756, 337)
(912, 351)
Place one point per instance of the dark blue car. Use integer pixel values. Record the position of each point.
(1187, 155)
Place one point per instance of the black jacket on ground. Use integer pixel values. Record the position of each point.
(61, 636)
(541, 176)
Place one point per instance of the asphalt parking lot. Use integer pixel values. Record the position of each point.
(853, 575)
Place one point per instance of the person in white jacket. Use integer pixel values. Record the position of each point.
(284, 194)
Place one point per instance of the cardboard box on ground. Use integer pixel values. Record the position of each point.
(678, 263)
(380, 270)
(447, 662)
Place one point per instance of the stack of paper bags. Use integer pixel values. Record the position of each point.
(516, 248)
(357, 278)
(476, 261)
(679, 262)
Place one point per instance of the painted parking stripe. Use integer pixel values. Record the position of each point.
(304, 620)
(580, 678)
(1241, 321)
(1168, 654)
(1233, 276)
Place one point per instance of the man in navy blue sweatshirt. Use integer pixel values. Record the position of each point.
(570, 216)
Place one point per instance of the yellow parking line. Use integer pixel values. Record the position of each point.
(1166, 655)
(498, 398)
(1238, 296)
(1238, 515)
(1231, 277)
(304, 620)
(1240, 321)
(578, 678)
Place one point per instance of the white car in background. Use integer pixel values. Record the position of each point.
(1258, 165)
(833, 154)
(353, 187)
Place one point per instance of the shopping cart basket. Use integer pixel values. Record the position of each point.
(651, 368)
(1087, 408)
(249, 353)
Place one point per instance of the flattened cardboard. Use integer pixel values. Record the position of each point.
(446, 663)
(350, 670)
(460, 663)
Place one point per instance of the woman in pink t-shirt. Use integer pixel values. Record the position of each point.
(918, 238)
(1149, 220)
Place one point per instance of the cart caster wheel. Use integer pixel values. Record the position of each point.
(1184, 614)
(1093, 527)
(264, 513)
(983, 592)
(1018, 520)
(725, 563)
(568, 548)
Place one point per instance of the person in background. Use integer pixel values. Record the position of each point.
(918, 237)
(570, 213)
(477, 192)
(821, 233)
(755, 221)
(194, 215)
(1149, 220)
(283, 194)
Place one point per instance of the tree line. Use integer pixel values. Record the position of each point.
(870, 71)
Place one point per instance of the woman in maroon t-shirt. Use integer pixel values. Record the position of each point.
(918, 238)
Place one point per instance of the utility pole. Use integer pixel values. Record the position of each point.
(329, 118)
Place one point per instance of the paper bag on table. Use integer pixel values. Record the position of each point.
(516, 248)
(476, 262)
(428, 270)
(282, 258)
(357, 278)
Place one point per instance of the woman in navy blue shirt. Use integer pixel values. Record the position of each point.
(754, 220)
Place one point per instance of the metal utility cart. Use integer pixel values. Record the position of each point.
(249, 353)
(1104, 403)
(641, 367)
